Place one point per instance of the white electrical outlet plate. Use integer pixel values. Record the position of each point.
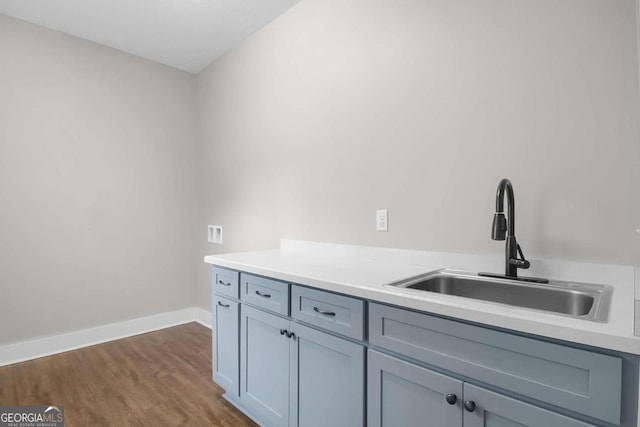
(214, 234)
(382, 220)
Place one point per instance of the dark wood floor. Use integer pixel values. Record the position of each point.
(162, 378)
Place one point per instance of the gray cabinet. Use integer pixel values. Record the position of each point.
(225, 351)
(293, 375)
(582, 381)
(327, 380)
(403, 394)
(264, 366)
(310, 369)
(225, 310)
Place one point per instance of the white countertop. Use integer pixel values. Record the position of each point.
(363, 272)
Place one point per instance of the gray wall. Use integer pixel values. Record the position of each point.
(341, 107)
(111, 166)
(97, 185)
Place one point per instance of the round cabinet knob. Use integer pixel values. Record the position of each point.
(451, 398)
(470, 405)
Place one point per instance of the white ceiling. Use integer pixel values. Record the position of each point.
(185, 34)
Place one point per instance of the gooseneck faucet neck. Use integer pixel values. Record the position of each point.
(505, 184)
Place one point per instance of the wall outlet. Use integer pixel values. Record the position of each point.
(382, 220)
(214, 234)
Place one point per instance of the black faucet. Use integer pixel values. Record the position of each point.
(503, 229)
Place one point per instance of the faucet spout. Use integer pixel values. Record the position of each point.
(505, 186)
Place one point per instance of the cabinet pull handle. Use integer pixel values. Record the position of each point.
(470, 405)
(326, 313)
(223, 283)
(263, 295)
(287, 333)
(223, 305)
(451, 398)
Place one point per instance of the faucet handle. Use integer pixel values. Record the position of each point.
(520, 262)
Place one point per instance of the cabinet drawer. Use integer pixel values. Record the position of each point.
(266, 293)
(578, 380)
(225, 282)
(337, 313)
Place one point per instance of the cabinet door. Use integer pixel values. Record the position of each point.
(327, 380)
(264, 366)
(495, 410)
(226, 344)
(403, 394)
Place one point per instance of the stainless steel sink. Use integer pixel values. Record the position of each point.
(578, 300)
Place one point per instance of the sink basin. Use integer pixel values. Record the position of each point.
(579, 300)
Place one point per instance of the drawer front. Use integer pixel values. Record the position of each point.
(337, 313)
(578, 380)
(266, 293)
(225, 282)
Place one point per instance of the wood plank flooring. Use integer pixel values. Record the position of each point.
(162, 378)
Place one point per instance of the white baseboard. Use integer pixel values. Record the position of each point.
(40, 347)
(202, 316)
